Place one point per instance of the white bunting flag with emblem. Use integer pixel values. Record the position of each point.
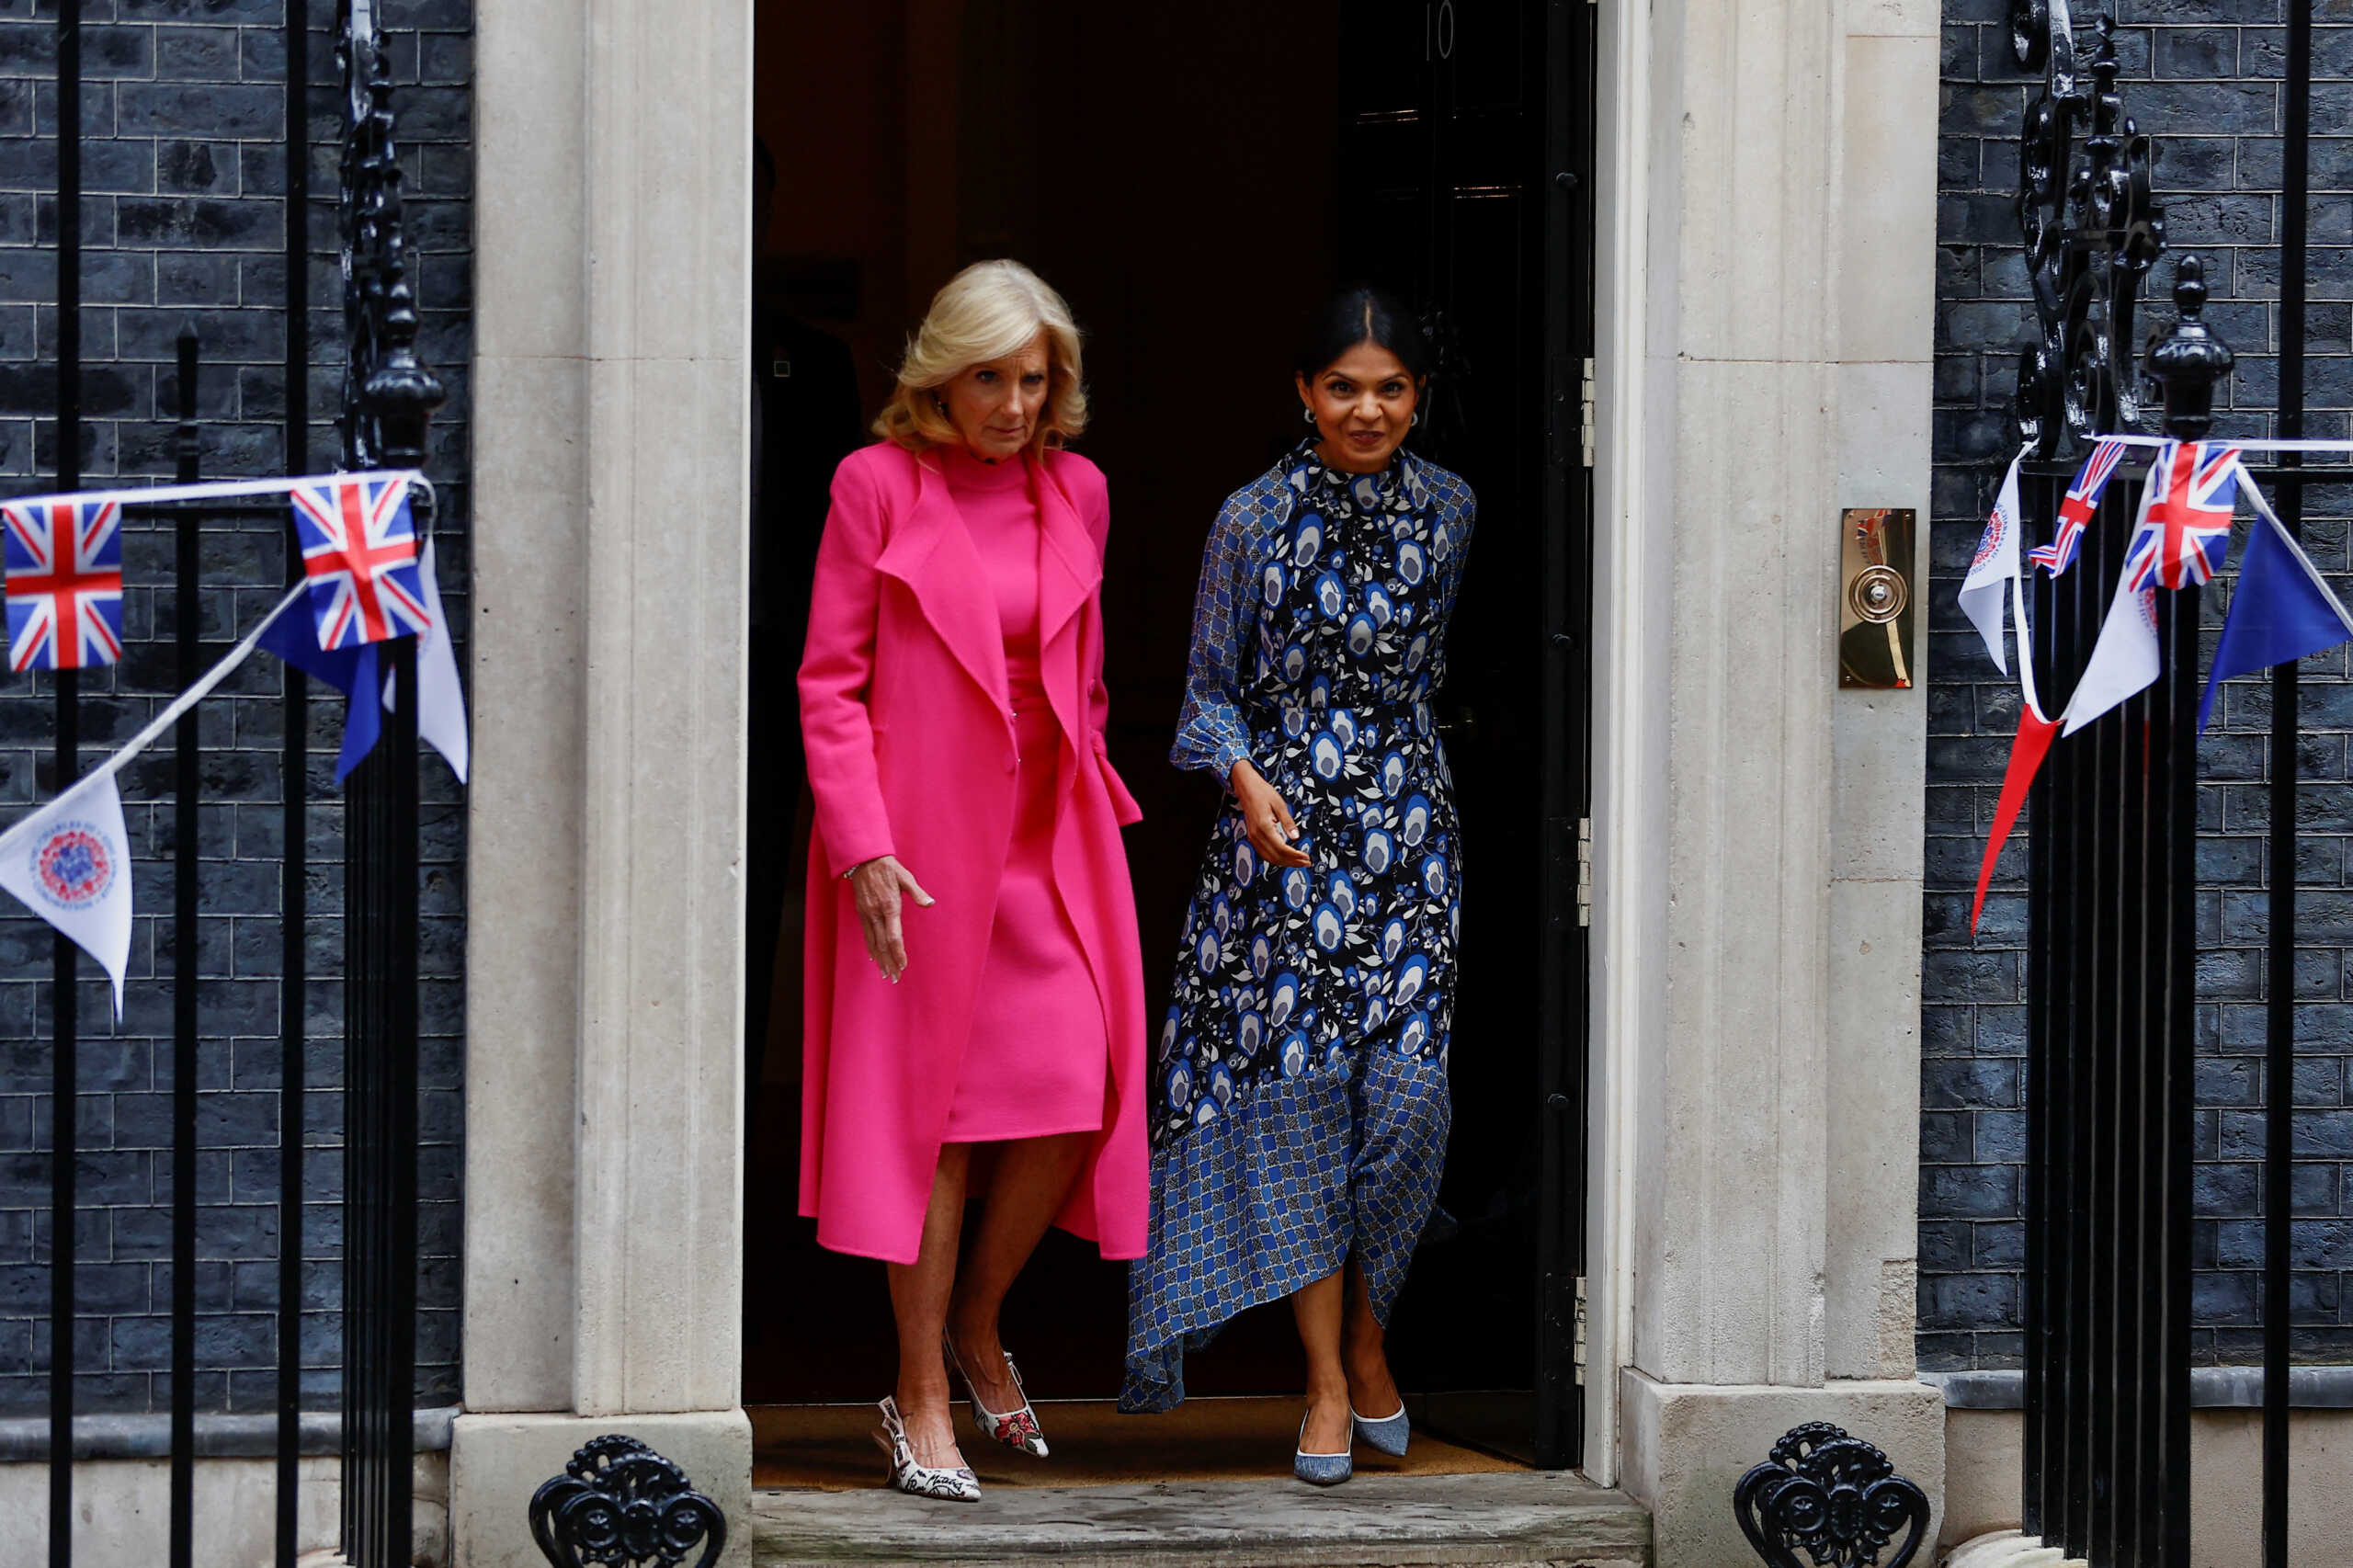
(1982, 594)
(70, 863)
(2124, 661)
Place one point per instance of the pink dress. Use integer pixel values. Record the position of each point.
(1037, 1054)
(907, 718)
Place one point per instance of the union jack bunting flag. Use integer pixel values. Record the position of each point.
(359, 552)
(64, 584)
(2185, 528)
(2075, 511)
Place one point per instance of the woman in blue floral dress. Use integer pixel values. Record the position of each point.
(1302, 1117)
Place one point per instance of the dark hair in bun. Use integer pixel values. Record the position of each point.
(1362, 313)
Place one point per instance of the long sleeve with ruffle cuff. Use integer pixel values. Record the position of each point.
(1209, 730)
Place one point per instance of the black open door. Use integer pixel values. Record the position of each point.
(1465, 153)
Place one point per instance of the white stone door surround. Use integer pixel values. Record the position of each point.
(1767, 255)
(604, 1169)
(1766, 312)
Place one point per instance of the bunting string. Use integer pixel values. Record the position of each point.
(177, 708)
(214, 490)
(2250, 444)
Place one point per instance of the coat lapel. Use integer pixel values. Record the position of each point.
(932, 553)
(1069, 570)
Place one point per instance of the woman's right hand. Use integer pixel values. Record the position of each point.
(881, 885)
(1266, 819)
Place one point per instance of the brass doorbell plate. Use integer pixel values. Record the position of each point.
(1875, 598)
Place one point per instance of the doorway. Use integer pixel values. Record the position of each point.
(1193, 181)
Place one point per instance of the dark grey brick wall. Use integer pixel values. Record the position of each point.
(184, 220)
(2203, 77)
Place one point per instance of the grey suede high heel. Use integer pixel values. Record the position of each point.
(1320, 1469)
(1390, 1434)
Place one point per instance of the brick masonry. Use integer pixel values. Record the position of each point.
(2203, 77)
(184, 221)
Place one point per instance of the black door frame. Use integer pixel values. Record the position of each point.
(1566, 785)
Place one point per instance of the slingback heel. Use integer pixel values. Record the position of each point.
(958, 1485)
(1017, 1430)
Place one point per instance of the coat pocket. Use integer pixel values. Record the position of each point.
(1124, 810)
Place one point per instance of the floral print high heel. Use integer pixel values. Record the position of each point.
(1017, 1430)
(958, 1485)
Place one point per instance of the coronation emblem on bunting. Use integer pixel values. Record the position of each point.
(359, 552)
(72, 864)
(2185, 528)
(2076, 512)
(64, 584)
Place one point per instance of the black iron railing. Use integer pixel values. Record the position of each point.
(2280, 1036)
(387, 400)
(66, 1066)
(2111, 953)
(2111, 973)
(2112, 942)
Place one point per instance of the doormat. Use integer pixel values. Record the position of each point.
(826, 1447)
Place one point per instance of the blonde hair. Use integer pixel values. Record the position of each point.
(987, 312)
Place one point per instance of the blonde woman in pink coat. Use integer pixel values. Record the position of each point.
(973, 971)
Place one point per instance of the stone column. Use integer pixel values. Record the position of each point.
(1768, 259)
(1886, 292)
(604, 1089)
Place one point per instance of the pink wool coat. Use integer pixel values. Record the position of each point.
(910, 738)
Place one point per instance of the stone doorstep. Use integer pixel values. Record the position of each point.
(1439, 1521)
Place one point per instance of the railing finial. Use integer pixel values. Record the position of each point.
(2188, 361)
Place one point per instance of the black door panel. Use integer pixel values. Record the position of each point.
(1451, 132)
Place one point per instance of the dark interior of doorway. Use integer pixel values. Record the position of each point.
(1193, 178)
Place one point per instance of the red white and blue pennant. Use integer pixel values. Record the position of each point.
(360, 557)
(64, 560)
(365, 582)
(2077, 509)
(2281, 608)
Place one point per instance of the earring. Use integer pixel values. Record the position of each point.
(1415, 419)
(1308, 414)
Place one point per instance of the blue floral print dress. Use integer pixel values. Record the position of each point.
(1303, 1107)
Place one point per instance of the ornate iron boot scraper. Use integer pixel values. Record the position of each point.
(1835, 1496)
(620, 1505)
